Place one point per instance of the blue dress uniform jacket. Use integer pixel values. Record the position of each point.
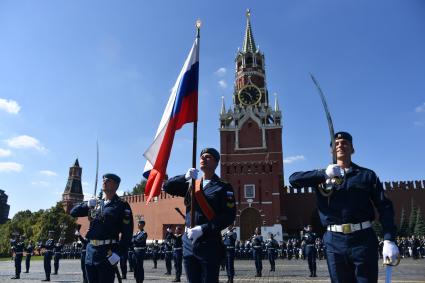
(257, 252)
(48, 254)
(18, 249)
(310, 251)
(139, 243)
(108, 221)
(57, 250)
(201, 259)
(229, 242)
(272, 245)
(351, 257)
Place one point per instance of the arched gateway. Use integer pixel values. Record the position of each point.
(249, 219)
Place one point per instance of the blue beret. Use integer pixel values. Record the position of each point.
(211, 151)
(112, 177)
(343, 135)
(141, 221)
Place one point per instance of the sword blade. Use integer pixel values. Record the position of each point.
(97, 167)
(388, 273)
(328, 117)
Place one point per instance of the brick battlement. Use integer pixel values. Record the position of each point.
(142, 198)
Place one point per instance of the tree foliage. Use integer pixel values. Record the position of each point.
(404, 224)
(138, 189)
(419, 225)
(36, 225)
(412, 217)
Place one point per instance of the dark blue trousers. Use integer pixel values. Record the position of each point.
(102, 273)
(310, 251)
(201, 270)
(352, 257)
(47, 260)
(272, 256)
(258, 258)
(56, 259)
(178, 257)
(27, 263)
(230, 262)
(83, 266)
(139, 271)
(18, 262)
(168, 258)
(123, 265)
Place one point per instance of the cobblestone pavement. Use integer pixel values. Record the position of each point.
(409, 271)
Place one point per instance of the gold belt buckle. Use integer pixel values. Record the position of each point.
(346, 228)
(94, 242)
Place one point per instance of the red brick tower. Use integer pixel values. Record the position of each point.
(73, 191)
(251, 145)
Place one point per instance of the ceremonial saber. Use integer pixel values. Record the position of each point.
(388, 273)
(97, 167)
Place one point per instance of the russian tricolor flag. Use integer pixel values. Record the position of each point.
(182, 108)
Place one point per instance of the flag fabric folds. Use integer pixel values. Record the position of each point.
(182, 108)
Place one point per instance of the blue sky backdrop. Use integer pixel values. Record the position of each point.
(75, 71)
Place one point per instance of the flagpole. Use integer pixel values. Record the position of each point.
(194, 142)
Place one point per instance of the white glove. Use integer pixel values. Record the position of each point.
(192, 173)
(77, 233)
(92, 202)
(333, 171)
(390, 251)
(194, 233)
(114, 259)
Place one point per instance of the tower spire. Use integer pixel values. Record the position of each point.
(276, 103)
(248, 43)
(223, 107)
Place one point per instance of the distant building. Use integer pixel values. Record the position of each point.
(4, 207)
(73, 190)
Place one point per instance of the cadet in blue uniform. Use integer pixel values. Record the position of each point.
(139, 243)
(48, 254)
(123, 263)
(351, 244)
(109, 218)
(18, 250)
(309, 238)
(29, 250)
(84, 243)
(155, 254)
(177, 253)
(257, 251)
(272, 245)
(214, 210)
(131, 257)
(229, 242)
(57, 250)
(168, 249)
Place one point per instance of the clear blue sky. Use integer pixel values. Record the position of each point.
(72, 71)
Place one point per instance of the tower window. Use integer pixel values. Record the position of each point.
(249, 191)
(248, 61)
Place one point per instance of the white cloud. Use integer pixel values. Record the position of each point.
(25, 141)
(221, 72)
(292, 159)
(420, 108)
(5, 152)
(222, 84)
(10, 106)
(48, 173)
(40, 183)
(10, 167)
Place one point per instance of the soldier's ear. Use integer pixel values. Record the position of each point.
(352, 152)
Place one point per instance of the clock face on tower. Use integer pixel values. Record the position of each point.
(249, 95)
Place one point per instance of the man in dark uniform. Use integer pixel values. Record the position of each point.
(131, 257)
(84, 243)
(18, 250)
(155, 253)
(257, 251)
(57, 251)
(272, 246)
(309, 238)
(48, 254)
(109, 217)
(139, 243)
(123, 263)
(214, 210)
(168, 248)
(178, 253)
(229, 242)
(29, 250)
(351, 244)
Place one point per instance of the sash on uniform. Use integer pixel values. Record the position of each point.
(202, 201)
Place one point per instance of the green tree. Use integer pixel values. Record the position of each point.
(412, 217)
(404, 224)
(419, 225)
(138, 189)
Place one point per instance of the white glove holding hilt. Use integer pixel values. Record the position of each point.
(92, 203)
(334, 171)
(192, 173)
(390, 253)
(194, 233)
(113, 259)
(77, 233)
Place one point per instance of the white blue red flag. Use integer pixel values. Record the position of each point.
(182, 108)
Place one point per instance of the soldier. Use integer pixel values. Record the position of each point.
(29, 252)
(123, 264)
(350, 241)
(155, 253)
(178, 253)
(168, 248)
(229, 242)
(131, 257)
(272, 245)
(109, 217)
(257, 250)
(57, 251)
(139, 243)
(18, 250)
(214, 210)
(84, 243)
(48, 254)
(309, 238)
